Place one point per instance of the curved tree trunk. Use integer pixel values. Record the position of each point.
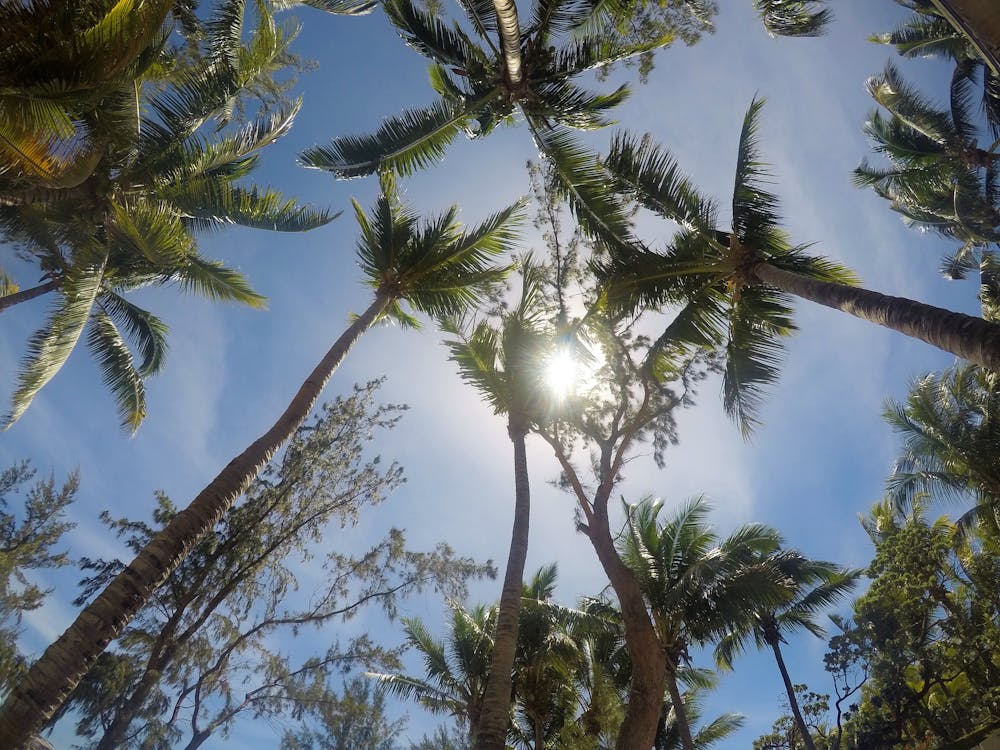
(510, 41)
(792, 700)
(979, 20)
(965, 336)
(680, 711)
(50, 679)
(495, 715)
(25, 294)
(642, 714)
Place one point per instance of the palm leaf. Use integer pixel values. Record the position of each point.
(147, 332)
(793, 17)
(406, 143)
(754, 208)
(214, 281)
(51, 345)
(574, 107)
(118, 368)
(429, 36)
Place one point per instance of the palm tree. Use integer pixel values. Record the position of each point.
(697, 587)
(456, 669)
(938, 176)
(927, 33)
(532, 72)
(132, 222)
(811, 586)
(739, 282)
(698, 682)
(950, 426)
(506, 366)
(437, 268)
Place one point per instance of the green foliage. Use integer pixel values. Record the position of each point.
(711, 271)
(201, 653)
(28, 536)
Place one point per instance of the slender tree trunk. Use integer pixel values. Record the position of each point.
(25, 294)
(965, 336)
(638, 729)
(979, 20)
(510, 41)
(792, 700)
(680, 711)
(495, 716)
(50, 680)
(198, 739)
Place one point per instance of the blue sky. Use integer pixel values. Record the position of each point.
(818, 460)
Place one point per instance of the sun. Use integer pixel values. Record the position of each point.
(561, 372)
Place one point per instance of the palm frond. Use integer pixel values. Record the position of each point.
(428, 35)
(51, 345)
(585, 185)
(214, 281)
(909, 105)
(118, 369)
(406, 143)
(794, 17)
(146, 332)
(754, 208)
(574, 107)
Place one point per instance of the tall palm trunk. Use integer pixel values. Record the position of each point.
(495, 715)
(510, 41)
(680, 712)
(792, 700)
(25, 294)
(980, 21)
(971, 338)
(642, 714)
(50, 680)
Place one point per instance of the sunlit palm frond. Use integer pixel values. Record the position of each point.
(794, 17)
(574, 107)
(212, 280)
(406, 143)
(430, 36)
(910, 106)
(51, 345)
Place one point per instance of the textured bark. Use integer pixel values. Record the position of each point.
(965, 336)
(680, 712)
(495, 715)
(792, 700)
(510, 41)
(25, 294)
(51, 679)
(642, 713)
(979, 20)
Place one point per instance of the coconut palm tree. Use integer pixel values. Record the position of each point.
(506, 365)
(697, 682)
(160, 179)
(927, 33)
(697, 586)
(456, 669)
(950, 427)
(481, 85)
(938, 176)
(435, 267)
(739, 282)
(811, 586)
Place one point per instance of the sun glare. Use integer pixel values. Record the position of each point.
(561, 372)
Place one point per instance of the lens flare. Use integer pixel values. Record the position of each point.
(561, 372)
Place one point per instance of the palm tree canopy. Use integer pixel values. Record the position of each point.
(697, 585)
(950, 426)
(711, 268)
(132, 221)
(811, 586)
